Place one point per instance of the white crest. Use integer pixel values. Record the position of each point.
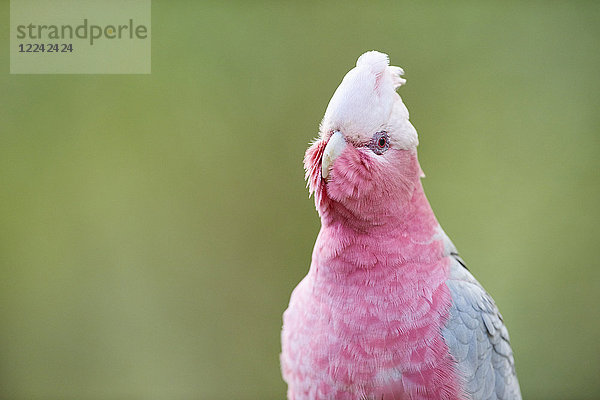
(366, 102)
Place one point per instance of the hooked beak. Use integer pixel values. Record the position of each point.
(334, 148)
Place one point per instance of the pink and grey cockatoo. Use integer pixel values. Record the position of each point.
(388, 309)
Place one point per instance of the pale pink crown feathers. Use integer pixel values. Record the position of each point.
(366, 102)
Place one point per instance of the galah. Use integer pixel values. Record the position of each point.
(388, 309)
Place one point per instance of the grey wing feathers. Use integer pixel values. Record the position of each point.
(477, 338)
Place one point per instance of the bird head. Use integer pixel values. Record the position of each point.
(363, 165)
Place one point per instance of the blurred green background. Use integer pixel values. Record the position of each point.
(153, 227)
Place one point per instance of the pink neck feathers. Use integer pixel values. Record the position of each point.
(378, 273)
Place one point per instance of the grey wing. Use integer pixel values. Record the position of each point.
(477, 338)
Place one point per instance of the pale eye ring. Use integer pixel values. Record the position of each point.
(380, 142)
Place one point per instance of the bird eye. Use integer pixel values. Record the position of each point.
(380, 142)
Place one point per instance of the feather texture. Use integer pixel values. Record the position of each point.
(387, 310)
(477, 338)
